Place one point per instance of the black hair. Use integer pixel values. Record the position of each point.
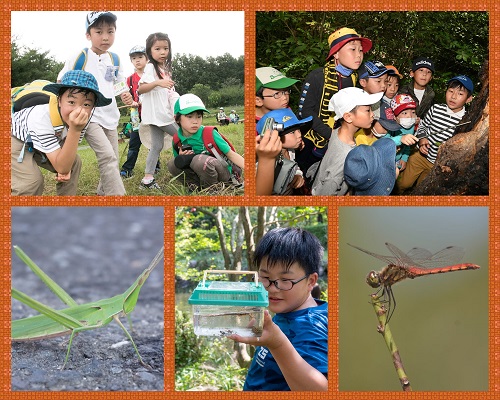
(103, 19)
(287, 246)
(140, 53)
(260, 92)
(73, 90)
(177, 117)
(150, 41)
(454, 84)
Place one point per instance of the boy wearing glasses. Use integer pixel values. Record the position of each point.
(272, 91)
(292, 353)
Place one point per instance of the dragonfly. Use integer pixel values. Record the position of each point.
(417, 262)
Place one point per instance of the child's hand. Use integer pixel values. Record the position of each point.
(63, 177)
(185, 152)
(269, 145)
(78, 118)
(297, 181)
(272, 336)
(423, 146)
(402, 165)
(127, 99)
(409, 139)
(166, 83)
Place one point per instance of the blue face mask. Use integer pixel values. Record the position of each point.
(343, 70)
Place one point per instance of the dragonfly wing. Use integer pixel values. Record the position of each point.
(417, 254)
(387, 259)
(450, 255)
(402, 258)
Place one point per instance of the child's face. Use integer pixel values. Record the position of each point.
(361, 117)
(374, 85)
(284, 301)
(160, 51)
(71, 100)
(421, 77)
(456, 98)
(292, 140)
(273, 99)
(102, 37)
(392, 86)
(350, 55)
(139, 61)
(408, 113)
(190, 123)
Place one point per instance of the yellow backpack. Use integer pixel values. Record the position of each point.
(32, 94)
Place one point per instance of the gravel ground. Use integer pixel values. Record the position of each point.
(93, 253)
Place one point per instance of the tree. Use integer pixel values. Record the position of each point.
(456, 41)
(28, 65)
(234, 232)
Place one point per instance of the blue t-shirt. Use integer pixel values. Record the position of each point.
(307, 330)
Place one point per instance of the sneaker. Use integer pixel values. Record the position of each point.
(126, 174)
(150, 185)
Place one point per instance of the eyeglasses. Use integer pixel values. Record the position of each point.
(279, 95)
(280, 284)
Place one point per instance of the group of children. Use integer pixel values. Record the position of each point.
(86, 90)
(362, 132)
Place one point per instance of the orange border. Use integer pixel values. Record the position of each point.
(249, 7)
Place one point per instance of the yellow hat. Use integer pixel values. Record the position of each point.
(343, 35)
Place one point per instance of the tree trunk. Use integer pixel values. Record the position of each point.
(462, 164)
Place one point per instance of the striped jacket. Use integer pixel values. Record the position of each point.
(438, 126)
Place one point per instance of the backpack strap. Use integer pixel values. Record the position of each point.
(81, 60)
(176, 141)
(211, 146)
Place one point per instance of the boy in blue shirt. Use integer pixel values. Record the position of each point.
(292, 353)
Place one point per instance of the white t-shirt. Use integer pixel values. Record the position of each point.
(103, 69)
(35, 121)
(419, 94)
(158, 103)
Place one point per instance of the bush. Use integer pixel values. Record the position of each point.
(188, 349)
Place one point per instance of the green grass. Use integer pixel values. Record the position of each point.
(89, 176)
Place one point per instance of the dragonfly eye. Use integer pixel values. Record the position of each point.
(373, 279)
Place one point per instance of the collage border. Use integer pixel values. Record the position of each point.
(250, 7)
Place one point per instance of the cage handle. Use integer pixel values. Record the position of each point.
(224, 271)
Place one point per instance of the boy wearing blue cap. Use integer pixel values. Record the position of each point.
(422, 71)
(291, 139)
(35, 142)
(436, 128)
(192, 160)
(102, 133)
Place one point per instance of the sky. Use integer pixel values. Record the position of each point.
(202, 33)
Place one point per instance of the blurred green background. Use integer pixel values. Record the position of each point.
(441, 321)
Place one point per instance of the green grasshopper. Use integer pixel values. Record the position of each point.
(76, 318)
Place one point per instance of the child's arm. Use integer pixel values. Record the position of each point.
(236, 158)
(147, 87)
(267, 149)
(298, 373)
(62, 159)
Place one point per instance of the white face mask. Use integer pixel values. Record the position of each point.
(378, 135)
(407, 123)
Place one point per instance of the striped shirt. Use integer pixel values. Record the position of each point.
(35, 122)
(438, 126)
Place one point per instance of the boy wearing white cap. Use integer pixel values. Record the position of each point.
(102, 133)
(352, 107)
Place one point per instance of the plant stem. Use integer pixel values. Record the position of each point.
(384, 329)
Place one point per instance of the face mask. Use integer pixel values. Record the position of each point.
(407, 123)
(343, 70)
(378, 135)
